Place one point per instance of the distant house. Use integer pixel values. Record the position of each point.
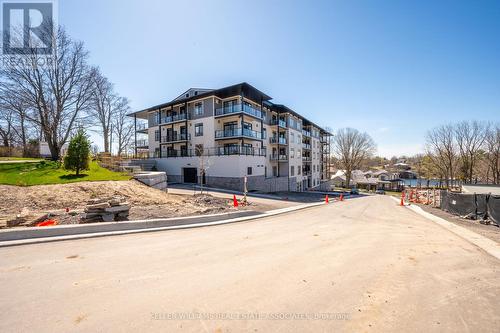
(339, 178)
(381, 175)
(367, 180)
(44, 150)
(407, 174)
(402, 166)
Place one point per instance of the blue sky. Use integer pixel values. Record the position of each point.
(391, 68)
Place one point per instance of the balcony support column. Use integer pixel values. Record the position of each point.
(241, 124)
(135, 136)
(261, 126)
(186, 122)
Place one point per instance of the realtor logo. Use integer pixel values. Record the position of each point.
(28, 27)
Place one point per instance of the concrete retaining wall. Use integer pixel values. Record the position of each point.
(155, 179)
(76, 229)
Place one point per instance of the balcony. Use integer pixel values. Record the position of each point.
(277, 140)
(280, 123)
(276, 157)
(175, 153)
(142, 127)
(237, 108)
(306, 172)
(306, 146)
(238, 132)
(240, 150)
(216, 151)
(142, 144)
(306, 133)
(306, 158)
(175, 137)
(175, 118)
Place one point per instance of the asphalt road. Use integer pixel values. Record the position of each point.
(362, 265)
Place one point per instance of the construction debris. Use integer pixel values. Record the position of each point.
(106, 210)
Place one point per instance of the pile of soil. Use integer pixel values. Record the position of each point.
(146, 202)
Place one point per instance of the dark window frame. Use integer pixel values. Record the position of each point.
(196, 131)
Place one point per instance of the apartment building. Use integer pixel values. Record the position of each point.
(223, 136)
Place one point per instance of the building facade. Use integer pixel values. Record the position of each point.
(223, 136)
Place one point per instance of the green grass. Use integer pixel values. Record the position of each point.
(18, 158)
(25, 174)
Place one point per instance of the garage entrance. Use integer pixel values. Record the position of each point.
(190, 175)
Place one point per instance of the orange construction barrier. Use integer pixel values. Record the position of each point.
(326, 198)
(235, 202)
(402, 203)
(341, 196)
(46, 223)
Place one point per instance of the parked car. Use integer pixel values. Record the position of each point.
(379, 191)
(354, 191)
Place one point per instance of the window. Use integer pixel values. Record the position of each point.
(292, 138)
(198, 129)
(249, 171)
(198, 149)
(247, 149)
(298, 171)
(299, 139)
(292, 153)
(275, 171)
(157, 135)
(198, 109)
(298, 154)
(247, 126)
(292, 171)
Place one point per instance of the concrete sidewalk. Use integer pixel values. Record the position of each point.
(487, 245)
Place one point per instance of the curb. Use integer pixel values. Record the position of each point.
(225, 191)
(486, 244)
(88, 228)
(152, 229)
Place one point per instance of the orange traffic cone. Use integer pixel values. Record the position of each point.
(326, 198)
(341, 196)
(235, 202)
(402, 203)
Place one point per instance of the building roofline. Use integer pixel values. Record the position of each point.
(288, 110)
(239, 87)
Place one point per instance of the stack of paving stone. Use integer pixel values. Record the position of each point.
(106, 210)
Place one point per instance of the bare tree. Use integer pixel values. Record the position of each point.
(104, 105)
(6, 127)
(58, 87)
(18, 110)
(470, 137)
(204, 163)
(441, 148)
(123, 126)
(351, 148)
(493, 152)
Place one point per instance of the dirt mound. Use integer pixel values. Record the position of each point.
(76, 195)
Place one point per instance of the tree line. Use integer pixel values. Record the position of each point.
(50, 97)
(463, 152)
(466, 151)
